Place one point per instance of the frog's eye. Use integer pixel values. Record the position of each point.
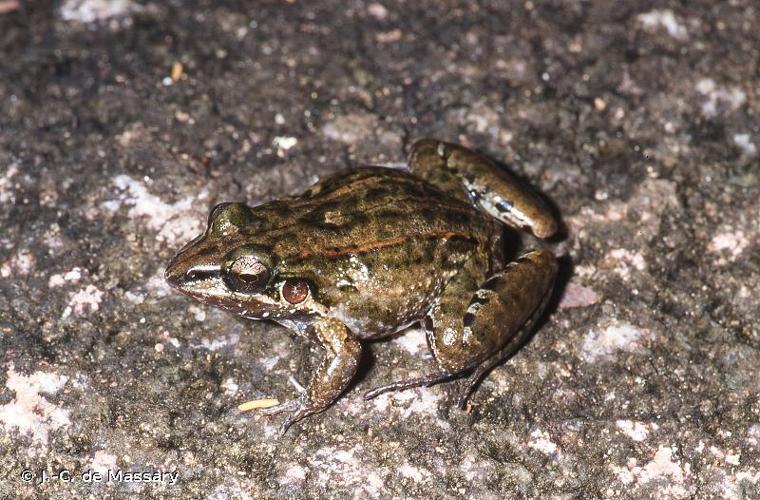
(246, 274)
(295, 291)
(227, 218)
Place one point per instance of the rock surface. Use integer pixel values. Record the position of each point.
(122, 122)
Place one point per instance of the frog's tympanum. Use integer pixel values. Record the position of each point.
(365, 253)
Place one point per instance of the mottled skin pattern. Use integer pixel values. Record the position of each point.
(365, 253)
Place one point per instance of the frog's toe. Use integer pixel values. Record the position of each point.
(401, 385)
(470, 385)
(291, 405)
(301, 413)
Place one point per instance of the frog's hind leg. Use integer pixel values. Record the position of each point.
(495, 317)
(494, 323)
(466, 175)
(506, 308)
(449, 308)
(500, 284)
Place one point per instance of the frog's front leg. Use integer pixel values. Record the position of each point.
(496, 320)
(333, 375)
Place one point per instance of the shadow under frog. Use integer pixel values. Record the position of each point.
(365, 253)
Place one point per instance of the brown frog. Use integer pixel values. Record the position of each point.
(367, 252)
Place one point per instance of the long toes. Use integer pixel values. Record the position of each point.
(470, 385)
(464, 397)
(301, 413)
(291, 405)
(375, 392)
(286, 424)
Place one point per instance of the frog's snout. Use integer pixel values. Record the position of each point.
(174, 273)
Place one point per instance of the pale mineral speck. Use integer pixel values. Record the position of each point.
(230, 386)
(232, 488)
(753, 434)
(173, 221)
(637, 431)
(744, 142)
(84, 301)
(218, 343)
(69, 277)
(30, 412)
(20, 264)
(577, 296)
(665, 18)
(733, 458)
(413, 341)
(157, 286)
(422, 401)
(345, 465)
(295, 474)
(198, 313)
(92, 11)
(6, 192)
(103, 461)
(719, 100)
(285, 143)
(270, 362)
(381, 403)
(134, 297)
(617, 337)
(541, 441)
(414, 473)
(730, 243)
(349, 128)
(623, 262)
(378, 11)
(669, 473)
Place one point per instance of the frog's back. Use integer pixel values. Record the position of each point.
(378, 243)
(371, 208)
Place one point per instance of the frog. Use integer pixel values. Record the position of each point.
(367, 252)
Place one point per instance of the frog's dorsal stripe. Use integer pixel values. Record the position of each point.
(375, 245)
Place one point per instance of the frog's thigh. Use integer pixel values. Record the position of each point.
(426, 162)
(466, 175)
(464, 334)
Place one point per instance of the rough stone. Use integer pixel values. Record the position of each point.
(123, 122)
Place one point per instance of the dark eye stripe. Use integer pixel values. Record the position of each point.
(195, 275)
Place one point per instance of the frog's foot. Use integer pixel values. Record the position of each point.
(402, 385)
(331, 378)
(299, 408)
(291, 405)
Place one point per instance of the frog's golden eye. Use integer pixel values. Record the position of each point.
(246, 274)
